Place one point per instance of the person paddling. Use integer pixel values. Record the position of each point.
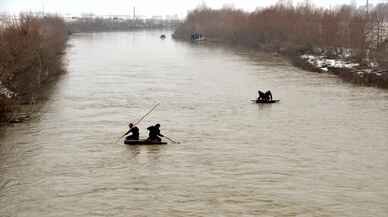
(154, 133)
(133, 132)
(264, 97)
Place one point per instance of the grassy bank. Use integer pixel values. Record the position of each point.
(299, 30)
(31, 54)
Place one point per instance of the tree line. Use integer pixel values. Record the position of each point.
(31, 54)
(99, 24)
(287, 28)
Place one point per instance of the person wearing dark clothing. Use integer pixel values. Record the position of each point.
(264, 97)
(154, 133)
(261, 96)
(268, 96)
(133, 132)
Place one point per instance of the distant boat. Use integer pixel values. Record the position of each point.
(196, 36)
(199, 39)
(163, 36)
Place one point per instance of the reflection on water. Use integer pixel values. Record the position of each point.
(321, 151)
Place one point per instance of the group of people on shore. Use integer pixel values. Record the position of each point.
(153, 133)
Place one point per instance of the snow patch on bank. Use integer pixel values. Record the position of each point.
(324, 63)
(363, 73)
(4, 91)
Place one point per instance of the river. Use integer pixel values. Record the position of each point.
(321, 151)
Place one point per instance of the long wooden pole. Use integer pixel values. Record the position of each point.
(142, 118)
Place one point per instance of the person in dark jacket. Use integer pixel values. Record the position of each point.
(133, 132)
(268, 96)
(261, 96)
(154, 133)
(264, 97)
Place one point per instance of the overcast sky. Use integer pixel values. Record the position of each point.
(143, 7)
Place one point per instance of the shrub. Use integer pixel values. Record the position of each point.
(31, 50)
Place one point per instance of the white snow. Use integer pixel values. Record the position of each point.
(362, 73)
(324, 63)
(4, 91)
(378, 74)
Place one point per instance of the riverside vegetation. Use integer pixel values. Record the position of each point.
(348, 41)
(99, 24)
(31, 55)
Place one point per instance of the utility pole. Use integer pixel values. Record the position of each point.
(42, 8)
(367, 7)
(134, 13)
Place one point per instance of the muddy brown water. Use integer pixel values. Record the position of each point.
(321, 151)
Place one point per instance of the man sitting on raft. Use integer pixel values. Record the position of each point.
(154, 133)
(133, 131)
(264, 97)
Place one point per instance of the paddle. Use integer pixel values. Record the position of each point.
(171, 140)
(141, 119)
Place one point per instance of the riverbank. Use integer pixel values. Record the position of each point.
(31, 55)
(342, 63)
(341, 41)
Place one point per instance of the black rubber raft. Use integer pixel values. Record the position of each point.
(143, 142)
(265, 102)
